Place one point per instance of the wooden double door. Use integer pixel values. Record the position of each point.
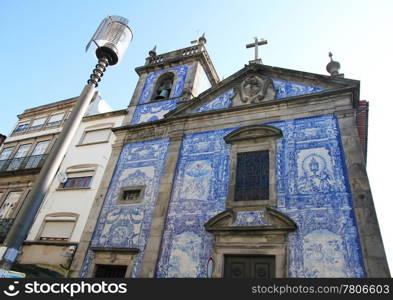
(244, 266)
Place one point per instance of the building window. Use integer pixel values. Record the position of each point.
(77, 182)
(19, 157)
(77, 177)
(131, 195)
(110, 271)
(9, 205)
(95, 136)
(112, 262)
(38, 123)
(22, 126)
(57, 228)
(55, 120)
(4, 156)
(252, 176)
(37, 156)
(163, 86)
(252, 179)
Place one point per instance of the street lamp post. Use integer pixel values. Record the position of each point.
(112, 39)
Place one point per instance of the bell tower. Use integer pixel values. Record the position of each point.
(169, 78)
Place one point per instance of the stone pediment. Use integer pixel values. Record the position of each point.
(260, 85)
(268, 219)
(252, 132)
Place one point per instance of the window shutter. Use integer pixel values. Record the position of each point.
(80, 174)
(61, 230)
(96, 136)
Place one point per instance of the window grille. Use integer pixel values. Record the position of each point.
(252, 176)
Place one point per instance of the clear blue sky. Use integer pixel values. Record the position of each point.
(43, 57)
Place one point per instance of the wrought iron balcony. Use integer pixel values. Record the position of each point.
(22, 163)
(5, 226)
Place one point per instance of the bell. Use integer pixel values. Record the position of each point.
(163, 94)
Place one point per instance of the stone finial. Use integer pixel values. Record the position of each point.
(152, 52)
(202, 39)
(333, 67)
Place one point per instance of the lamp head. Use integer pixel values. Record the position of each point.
(112, 39)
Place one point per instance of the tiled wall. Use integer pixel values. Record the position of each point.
(287, 89)
(199, 193)
(312, 188)
(284, 88)
(128, 226)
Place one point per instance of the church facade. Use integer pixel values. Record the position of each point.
(259, 175)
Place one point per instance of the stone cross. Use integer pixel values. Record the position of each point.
(256, 44)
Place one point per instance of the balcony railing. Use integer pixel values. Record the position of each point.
(5, 226)
(22, 163)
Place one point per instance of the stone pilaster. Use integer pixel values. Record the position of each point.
(153, 246)
(370, 236)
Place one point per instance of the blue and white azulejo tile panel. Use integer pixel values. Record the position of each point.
(128, 225)
(199, 193)
(287, 89)
(250, 218)
(147, 91)
(284, 89)
(153, 111)
(312, 188)
(222, 101)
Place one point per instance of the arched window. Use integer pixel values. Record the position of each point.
(163, 86)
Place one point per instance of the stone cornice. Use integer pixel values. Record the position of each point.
(322, 96)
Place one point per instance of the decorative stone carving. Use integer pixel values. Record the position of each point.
(252, 132)
(252, 232)
(255, 89)
(268, 220)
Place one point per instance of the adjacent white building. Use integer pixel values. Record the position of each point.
(59, 223)
(58, 226)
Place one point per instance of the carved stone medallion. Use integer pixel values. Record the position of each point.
(252, 86)
(255, 89)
